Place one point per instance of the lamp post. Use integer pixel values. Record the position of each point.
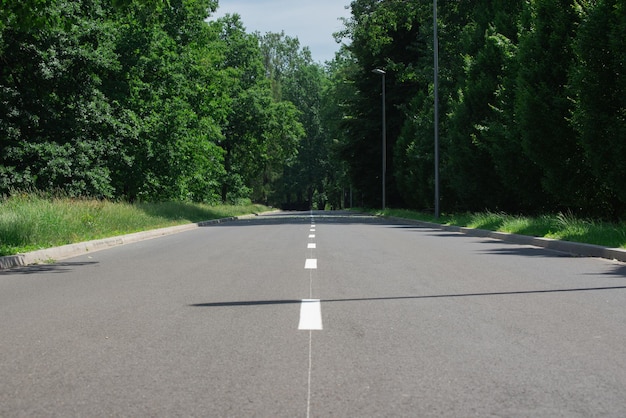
(382, 73)
(436, 93)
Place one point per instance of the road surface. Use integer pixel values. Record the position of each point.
(315, 314)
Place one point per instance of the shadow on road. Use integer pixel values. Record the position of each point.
(618, 270)
(46, 268)
(459, 295)
(527, 252)
(326, 217)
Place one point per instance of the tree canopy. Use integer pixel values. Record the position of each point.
(532, 98)
(146, 100)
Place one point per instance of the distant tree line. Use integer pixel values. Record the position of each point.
(532, 104)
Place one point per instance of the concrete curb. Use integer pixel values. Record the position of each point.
(72, 250)
(573, 248)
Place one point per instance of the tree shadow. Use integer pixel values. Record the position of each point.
(618, 270)
(418, 297)
(529, 252)
(62, 267)
(295, 217)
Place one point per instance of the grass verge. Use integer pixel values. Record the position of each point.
(560, 226)
(30, 222)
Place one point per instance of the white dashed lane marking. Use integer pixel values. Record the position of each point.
(310, 315)
(310, 312)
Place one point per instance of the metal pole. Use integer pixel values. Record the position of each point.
(436, 92)
(384, 143)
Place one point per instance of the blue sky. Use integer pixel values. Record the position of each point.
(311, 21)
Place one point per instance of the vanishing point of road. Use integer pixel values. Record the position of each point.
(315, 314)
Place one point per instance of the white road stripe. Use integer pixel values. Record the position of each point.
(311, 245)
(312, 230)
(311, 235)
(311, 263)
(310, 315)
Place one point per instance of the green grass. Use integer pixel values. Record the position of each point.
(560, 226)
(30, 222)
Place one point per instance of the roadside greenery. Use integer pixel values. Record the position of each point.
(153, 100)
(532, 104)
(562, 226)
(31, 222)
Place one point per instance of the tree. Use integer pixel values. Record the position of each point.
(262, 130)
(297, 79)
(385, 35)
(543, 106)
(480, 151)
(53, 114)
(531, 103)
(107, 101)
(599, 88)
(164, 87)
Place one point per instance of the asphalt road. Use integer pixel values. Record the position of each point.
(249, 318)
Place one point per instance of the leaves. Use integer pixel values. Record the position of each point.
(531, 104)
(139, 100)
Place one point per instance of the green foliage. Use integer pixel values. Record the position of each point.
(475, 140)
(543, 106)
(170, 150)
(308, 173)
(147, 100)
(599, 84)
(262, 129)
(389, 36)
(140, 99)
(531, 104)
(53, 110)
(413, 154)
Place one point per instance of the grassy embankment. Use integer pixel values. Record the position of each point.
(560, 226)
(32, 222)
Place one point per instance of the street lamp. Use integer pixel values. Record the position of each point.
(436, 93)
(382, 73)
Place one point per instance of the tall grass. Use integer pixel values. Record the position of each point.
(33, 221)
(563, 226)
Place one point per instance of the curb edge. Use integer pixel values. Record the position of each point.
(569, 247)
(71, 250)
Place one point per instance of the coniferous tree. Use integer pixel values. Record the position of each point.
(599, 87)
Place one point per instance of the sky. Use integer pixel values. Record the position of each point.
(311, 21)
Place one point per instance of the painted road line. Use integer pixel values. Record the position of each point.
(310, 315)
(310, 264)
(311, 245)
(311, 235)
